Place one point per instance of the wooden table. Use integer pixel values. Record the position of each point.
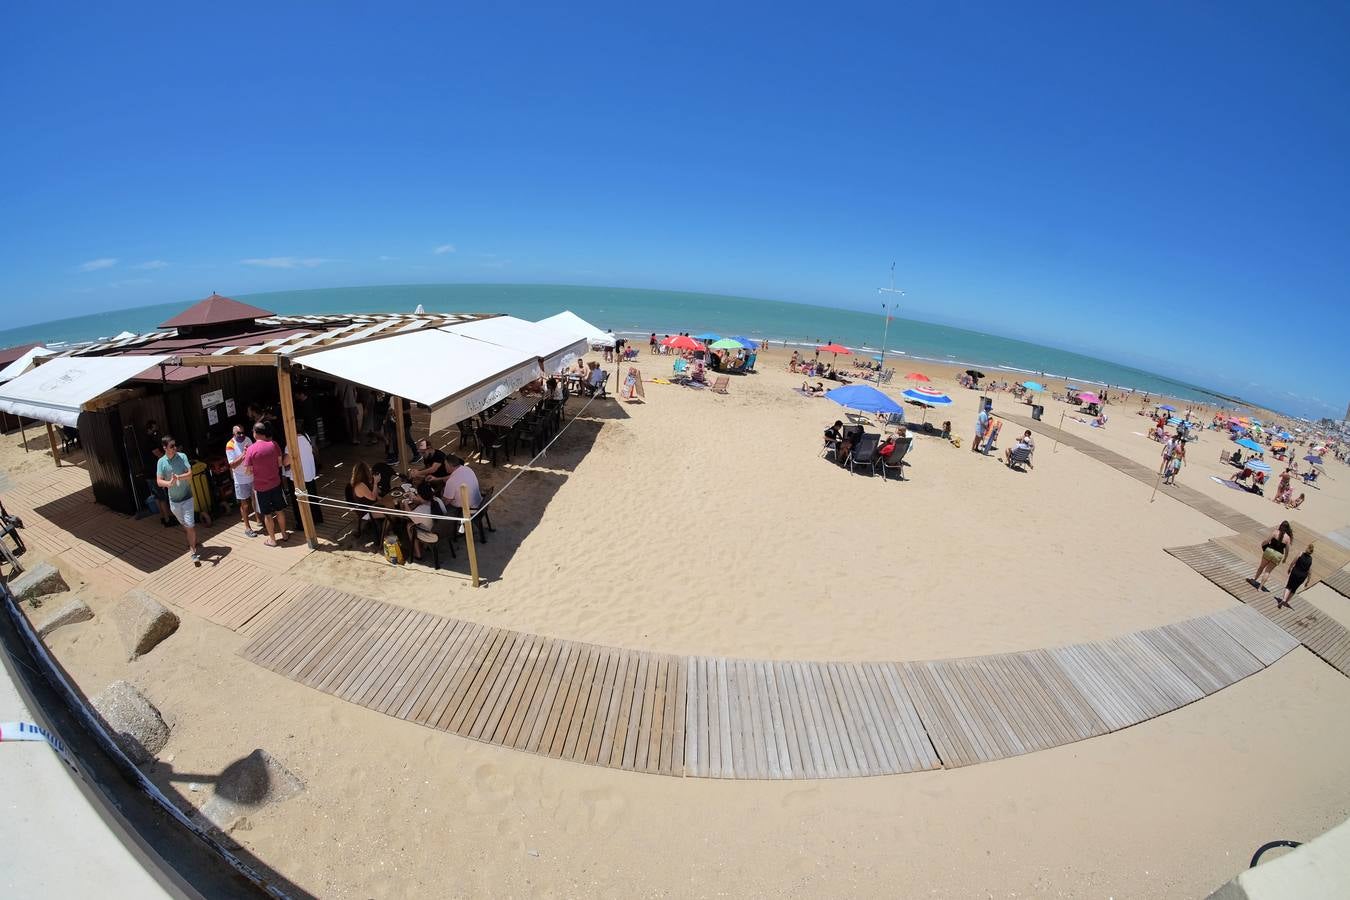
(512, 413)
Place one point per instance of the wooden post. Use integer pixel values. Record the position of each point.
(51, 439)
(468, 532)
(404, 462)
(293, 447)
(23, 435)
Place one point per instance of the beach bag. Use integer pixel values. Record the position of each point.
(393, 551)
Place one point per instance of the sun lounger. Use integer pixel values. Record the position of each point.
(864, 453)
(1019, 456)
(895, 462)
(720, 384)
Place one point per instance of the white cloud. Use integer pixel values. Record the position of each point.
(286, 262)
(151, 265)
(104, 262)
(443, 249)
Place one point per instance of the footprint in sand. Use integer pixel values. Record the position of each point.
(798, 799)
(606, 809)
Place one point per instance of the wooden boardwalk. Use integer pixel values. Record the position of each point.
(1339, 582)
(1219, 512)
(713, 717)
(1316, 630)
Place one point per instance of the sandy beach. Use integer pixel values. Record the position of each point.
(697, 523)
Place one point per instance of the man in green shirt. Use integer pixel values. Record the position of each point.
(174, 474)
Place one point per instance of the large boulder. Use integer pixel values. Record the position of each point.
(135, 724)
(142, 622)
(248, 784)
(72, 610)
(41, 580)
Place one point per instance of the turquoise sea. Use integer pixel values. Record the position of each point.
(639, 312)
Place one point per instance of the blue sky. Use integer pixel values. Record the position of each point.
(1162, 184)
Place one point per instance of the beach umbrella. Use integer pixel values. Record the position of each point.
(1089, 397)
(878, 358)
(1313, 458)
(746, 342)
(727, 344)
(708, 337)
(975, 373)
(1168, 408)
(1257, 465)
(863, 398)
(1249, 444)
(683, 342)
(917, 376)
(927, 396)
(836, 349)
(1033, 386)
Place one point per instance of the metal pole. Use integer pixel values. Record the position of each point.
(468, 532)
(1055, 449)
(887, 327)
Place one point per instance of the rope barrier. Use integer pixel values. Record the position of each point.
(349, 506)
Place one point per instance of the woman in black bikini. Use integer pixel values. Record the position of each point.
(1299, 570)
(1273, 552)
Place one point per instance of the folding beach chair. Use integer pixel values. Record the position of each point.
(895, 462)
(864, 453)
(720, 385)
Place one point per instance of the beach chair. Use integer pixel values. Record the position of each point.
(864, 453)
(895, 463)
(829, 448)
(720, 384)
(1019, 456)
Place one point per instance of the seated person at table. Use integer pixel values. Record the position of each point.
(460, 474)
(421, 518)
(597, 378)
(433, 463)
(363, 490)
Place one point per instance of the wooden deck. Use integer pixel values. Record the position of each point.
(715, 717)
(1339, 582)
(1223, 514)
(1316, 630)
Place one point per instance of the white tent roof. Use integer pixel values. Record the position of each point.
(455, 375)
(23, 363)
(57, 390)
(569, 322)
(555, 349)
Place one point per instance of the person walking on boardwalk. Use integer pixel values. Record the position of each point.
(1174, 464)
(235, 448)
(264, 458)
(1299, 570)
(173, 473)
(1273, 552)
(1169, 450)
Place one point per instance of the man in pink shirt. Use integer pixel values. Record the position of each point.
(264, 458)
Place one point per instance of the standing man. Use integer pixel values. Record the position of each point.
(173, 473)
(153, 450)
(1169, 451)
(308, 471)
(264, 458)
(981, 426)
(235, 448)
(351, 411)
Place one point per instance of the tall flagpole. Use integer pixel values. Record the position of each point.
(886, 311)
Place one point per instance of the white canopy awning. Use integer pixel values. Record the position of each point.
(555, 349)
(23, 363)
(58, 390)
(456, 376)
(569, 322)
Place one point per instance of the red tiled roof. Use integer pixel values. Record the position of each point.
(215, 310)
(9, 354)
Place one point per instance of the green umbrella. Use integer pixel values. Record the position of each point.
(727, 344)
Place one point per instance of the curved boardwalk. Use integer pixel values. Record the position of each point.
(717, 717)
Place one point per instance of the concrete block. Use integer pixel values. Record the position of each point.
(72, 610)
(136, 725)
(248, 784)
(142, 622)
(41, 580)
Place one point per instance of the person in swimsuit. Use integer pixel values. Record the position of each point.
(1299, 570)
(1273, 552)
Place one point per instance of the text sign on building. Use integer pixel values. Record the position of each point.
(213, 398)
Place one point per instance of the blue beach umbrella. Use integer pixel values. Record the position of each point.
(863, 398)
(1249, 444)
(927, 396)
(877, 358)
(1168, 408)
(707, 338)
(745, 342)
(1285, 436)
(1257, 465)
(1033, 386)
(1313, 458)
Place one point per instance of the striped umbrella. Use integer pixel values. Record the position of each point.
(926, 397)
(1257, 465)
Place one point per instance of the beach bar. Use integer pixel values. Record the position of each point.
(197, 373)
